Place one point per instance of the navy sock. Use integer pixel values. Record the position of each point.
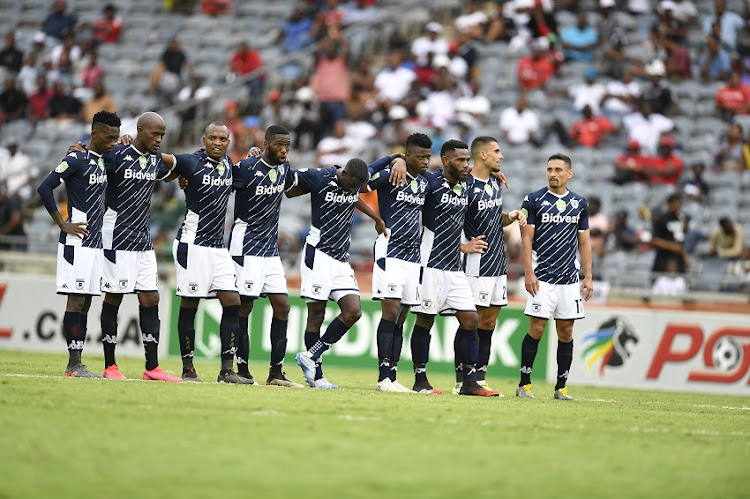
(398, 343)
(243, 346)
(385, 347)
(336, 330)
(228, 330)
(73, 335)
(311, 338)
(420, 352)
(278, 342)
(469, 348)
(485, 343)
(109, 332)
(564, 359)
(149, 318)
(457, 365)
(84, 321)
(529, 346)
(186, 334)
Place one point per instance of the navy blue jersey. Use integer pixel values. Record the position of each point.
(259, 188)
(557, 221)
(332, 211)
(131, 175)
(443, 219)
(85, 183)
(485, 217)
(401, 210)
(206, 196)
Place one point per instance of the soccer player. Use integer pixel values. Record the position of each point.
(79, 254)
(557, 226)
(326, 273)
(129, 258)
(395, 279)
(259, 184)
(486, 270)
(445, 289)
(202, 261)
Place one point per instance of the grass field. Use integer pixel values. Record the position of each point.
(82, 438)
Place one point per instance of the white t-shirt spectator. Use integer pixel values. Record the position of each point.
(519, 126)
(647, 130)
(584, 94)
(670, 285)
(394, 85)
(423, 46)
(463, 23)
(617, 88)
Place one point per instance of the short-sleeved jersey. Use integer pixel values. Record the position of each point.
(401, 210)
(259, 188)
(443, 219)
(206, 197)
(85, 183)
(131, 175)
(485, 217)
(332, 211)
(557, 221)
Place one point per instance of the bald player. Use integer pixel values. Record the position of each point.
(129, 257)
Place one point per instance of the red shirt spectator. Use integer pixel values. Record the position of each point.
(735, 97)
(535, 70)
(678, 60)
(666, 167)
(630, 164)
(108, 28)
(245, 60)
(590, 129)
(216, 7)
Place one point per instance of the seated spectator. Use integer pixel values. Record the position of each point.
(623, 237)
(677, 63)
(244, 61)
(646, 127)
(338, 148)
(394, 81)
(432, 43)
(670, 26)
(728, 154)
(28, 75)
(666, 166)
(734, 98)
(671, 284)
(17, 173)
(101, 101)
(107, 29)
(295, 34)
(731, 23)
(599, 225)
(628, 166)
(535, 70)
(473, 21)
(714, 63)
(65, 56)
(238, 131)
(92, 72)
(216, 7)
(518, 124)
(61, 105)
(696, 189)
(38, 100)
(590, 130)
(10, 57)
(500, 26)
(13, 102)
(394, 133)
(657, 91)
(58, 22)
(476, 105)
(726, 241)
(621, 95)
(11, 222)
(580, 40)
(682, 10)
(303, 117)
(166, 78)
(589, 93)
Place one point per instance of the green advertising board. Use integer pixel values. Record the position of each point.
(358, 348)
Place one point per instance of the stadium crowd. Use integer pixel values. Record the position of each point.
(649, 98)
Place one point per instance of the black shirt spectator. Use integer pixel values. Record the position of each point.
(13, 101)
(10, 56)
(669, 235)
(11, 221)
(62, 105)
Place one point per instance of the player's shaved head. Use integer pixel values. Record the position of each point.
(480, 143)
(150, 119)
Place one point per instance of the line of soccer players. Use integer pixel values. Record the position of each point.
(440, 250)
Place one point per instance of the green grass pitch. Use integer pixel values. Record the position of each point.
(69, 438)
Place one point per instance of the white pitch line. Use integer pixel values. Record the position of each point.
(608, 401)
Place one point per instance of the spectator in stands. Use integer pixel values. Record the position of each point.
(244, 61)
(726, 241)
(668, 236)
(216, 7)
(714, 63)
(239, 133)
(536, 69)
(474, 104)
(728, 154)
(295, 33)
(623, 237)
(362, 78)
(431, 43)
(304, 119)
(473, 21)
(734, 98)
(28, 75)
(682, 10)
(330, 79)
(519, 124)
(672, 283)
(579, 40)
(38, 100)
(731, 23)
(10, 57)
(621, 95)
(107, 29)
(657, 92)
(646, 127)
(590, 130)
(61, 105)
(66, 55)
(629, 164)
(440, 101)
(669, 26)
(394, 81)
(91, 73)
(394, 133)
(58, 22)
(13, 102)
(677, 62)
(11, 222)
(467, 50)
(666, 167)
(696, 189)
(17, 173)
(101, 101)
(166, 77)
(500, 26)
(336, 149)
(599, 225)
(589, 93)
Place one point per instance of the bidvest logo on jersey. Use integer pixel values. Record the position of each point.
(341, 198)
(409, 198)
(448, 199)
(97, 178)
(139, 175)
(268, 190)
(490, 203)
(568, 219)
(207, 180)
